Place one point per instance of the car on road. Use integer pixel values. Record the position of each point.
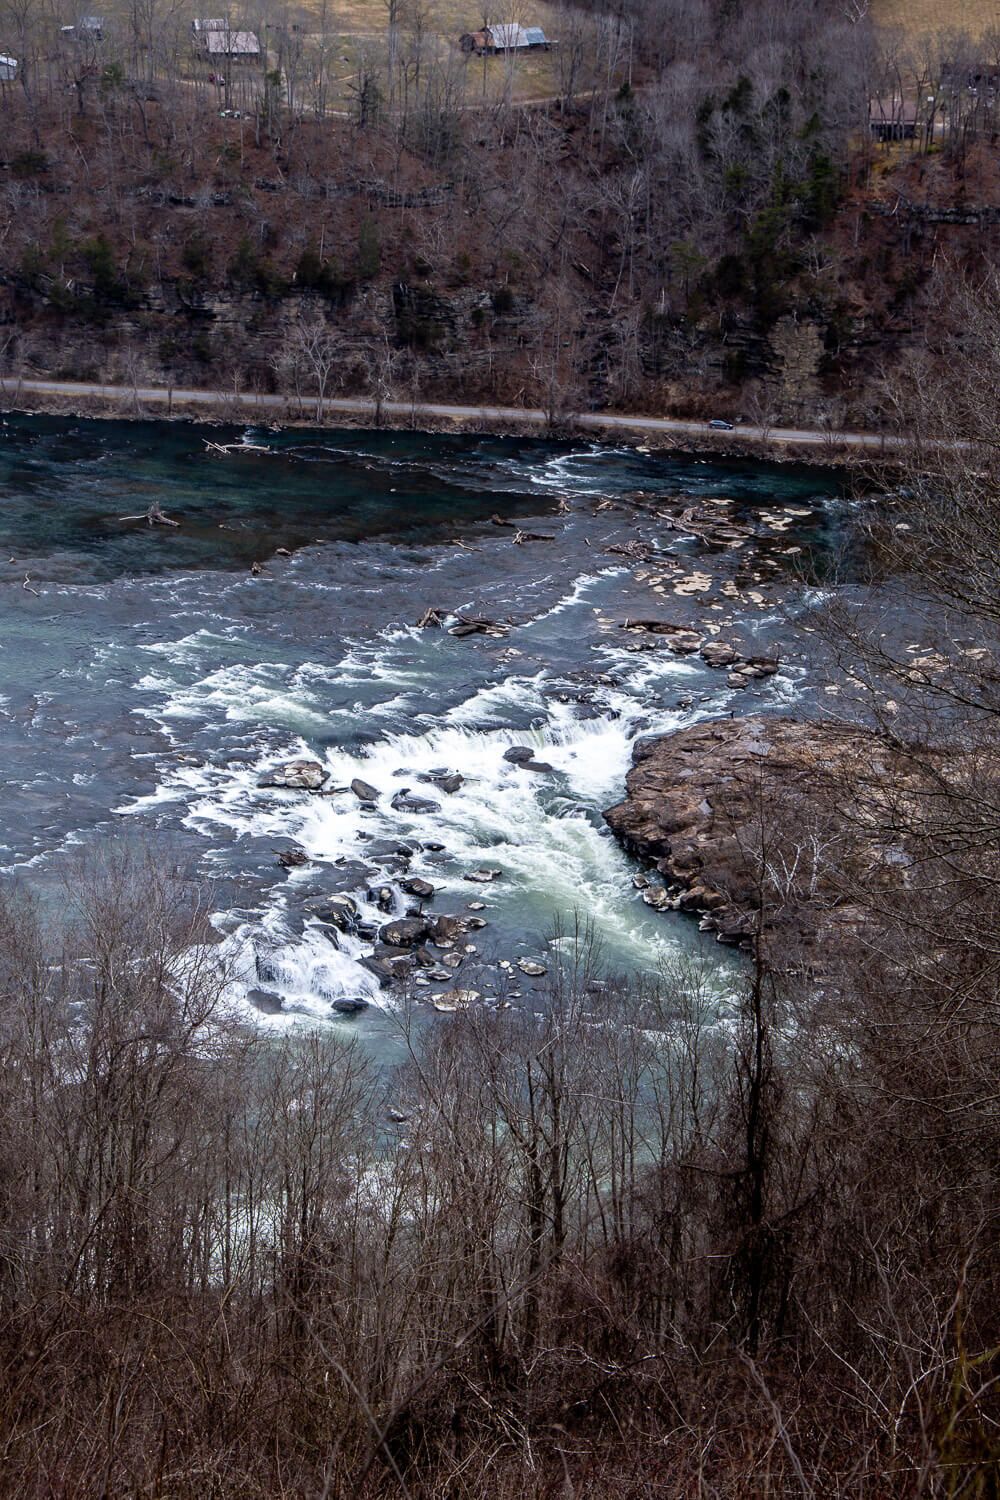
(719, 424)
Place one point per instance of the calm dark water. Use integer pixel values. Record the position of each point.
(148, 677)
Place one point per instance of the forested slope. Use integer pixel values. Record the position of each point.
(718, 233)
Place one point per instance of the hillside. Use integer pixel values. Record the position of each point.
(717, 236)
(929, 17)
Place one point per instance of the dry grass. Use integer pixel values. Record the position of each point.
(361, 24)
(921, 16)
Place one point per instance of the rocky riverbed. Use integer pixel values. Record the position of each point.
(741, 816)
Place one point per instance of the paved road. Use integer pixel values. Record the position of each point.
(15, 391)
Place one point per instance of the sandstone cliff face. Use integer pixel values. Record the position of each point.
(733, 810)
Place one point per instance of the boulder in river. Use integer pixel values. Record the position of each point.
(340, 911)
(754, 669)
(422, 889)
(407, 801)
(484, 876)
(446, 928)
(382, 897)
(405, 932)
(474, 625)
(719, 654)
(266, 1001)
(685, 642)
(381, 968)
(296, 775)
(519, 755)
(364, 791)
(531, 968)
(456, 1000)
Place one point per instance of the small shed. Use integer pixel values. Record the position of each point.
(893, 119)
(8, 69)
(87, 28)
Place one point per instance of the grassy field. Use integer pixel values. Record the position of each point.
(922, 16)
(356, 27)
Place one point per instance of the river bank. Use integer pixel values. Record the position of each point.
(660, 434)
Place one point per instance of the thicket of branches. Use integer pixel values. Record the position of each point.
(624, 1246)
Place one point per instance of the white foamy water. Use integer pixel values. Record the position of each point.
(541, 829)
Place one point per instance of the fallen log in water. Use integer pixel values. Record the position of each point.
(154, 516)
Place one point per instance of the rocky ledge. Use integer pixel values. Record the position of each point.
(728, 809)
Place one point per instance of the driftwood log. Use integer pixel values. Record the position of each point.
(154, 516)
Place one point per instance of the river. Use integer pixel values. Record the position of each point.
(150, 677)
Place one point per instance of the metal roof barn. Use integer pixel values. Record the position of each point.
(232, 44)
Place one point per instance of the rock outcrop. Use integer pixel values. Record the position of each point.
(729, 808)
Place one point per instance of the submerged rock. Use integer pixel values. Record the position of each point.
(266, 1001)
(483, 877)
(292, 859)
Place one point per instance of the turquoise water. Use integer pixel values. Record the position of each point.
(148, 678)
